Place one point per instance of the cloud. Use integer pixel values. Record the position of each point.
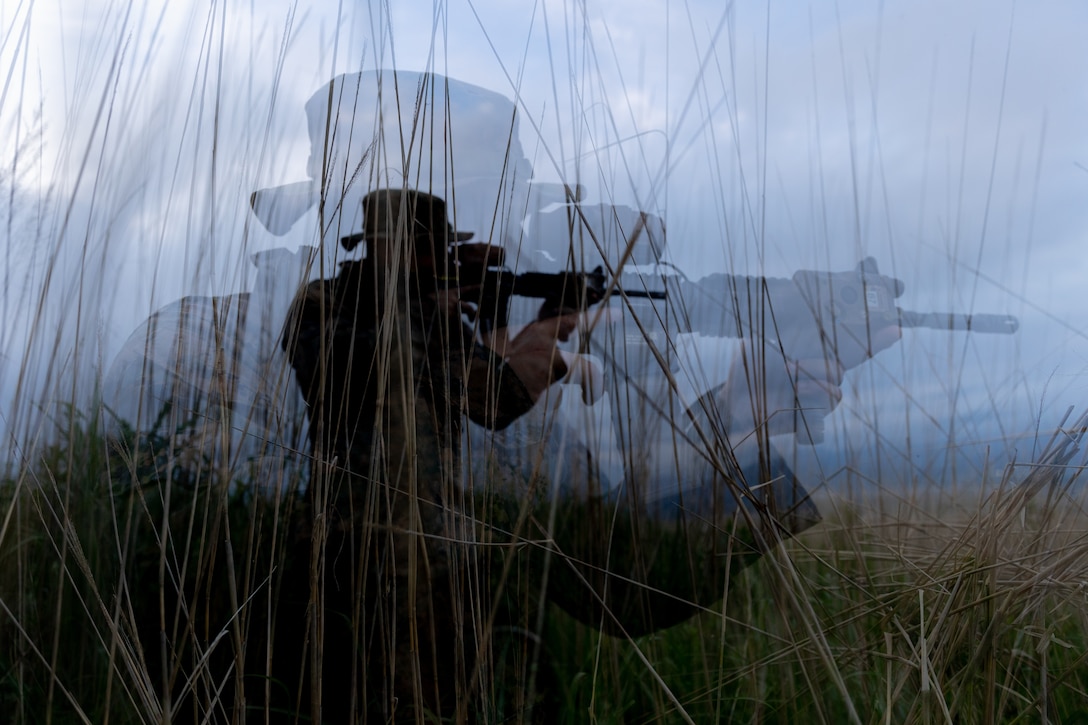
(771, 137)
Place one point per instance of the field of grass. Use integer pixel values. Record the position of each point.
(140, 577)
(963, 607)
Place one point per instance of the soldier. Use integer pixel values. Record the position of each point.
(649, 485)
(388, 369)
(629, 502)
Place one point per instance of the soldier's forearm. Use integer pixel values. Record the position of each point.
(496, 396)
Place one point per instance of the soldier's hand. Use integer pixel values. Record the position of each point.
(533, 353)
(865, 343)
(456, 301)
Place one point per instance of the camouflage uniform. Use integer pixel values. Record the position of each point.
(388, 374)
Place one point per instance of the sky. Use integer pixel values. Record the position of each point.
(944, 139)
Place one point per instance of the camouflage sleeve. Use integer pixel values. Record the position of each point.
(301, 339)
(495, 394)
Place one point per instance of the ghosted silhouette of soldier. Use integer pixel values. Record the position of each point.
(649, 469)
(388, 369)
(625, 477)
(695, 492)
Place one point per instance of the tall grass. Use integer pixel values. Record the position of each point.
(966, 608)
(142, 567)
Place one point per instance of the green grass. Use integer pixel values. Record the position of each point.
(916, 621)
(887, 612)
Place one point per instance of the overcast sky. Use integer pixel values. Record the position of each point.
(945, 139)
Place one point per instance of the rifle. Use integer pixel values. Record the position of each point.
(865, 297)
(814, 309)
(559, 292)
(480, 265)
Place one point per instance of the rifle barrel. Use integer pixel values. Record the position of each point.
(1001, 324)
(650, 294)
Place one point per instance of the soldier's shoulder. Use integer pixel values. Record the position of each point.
(314, 294)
